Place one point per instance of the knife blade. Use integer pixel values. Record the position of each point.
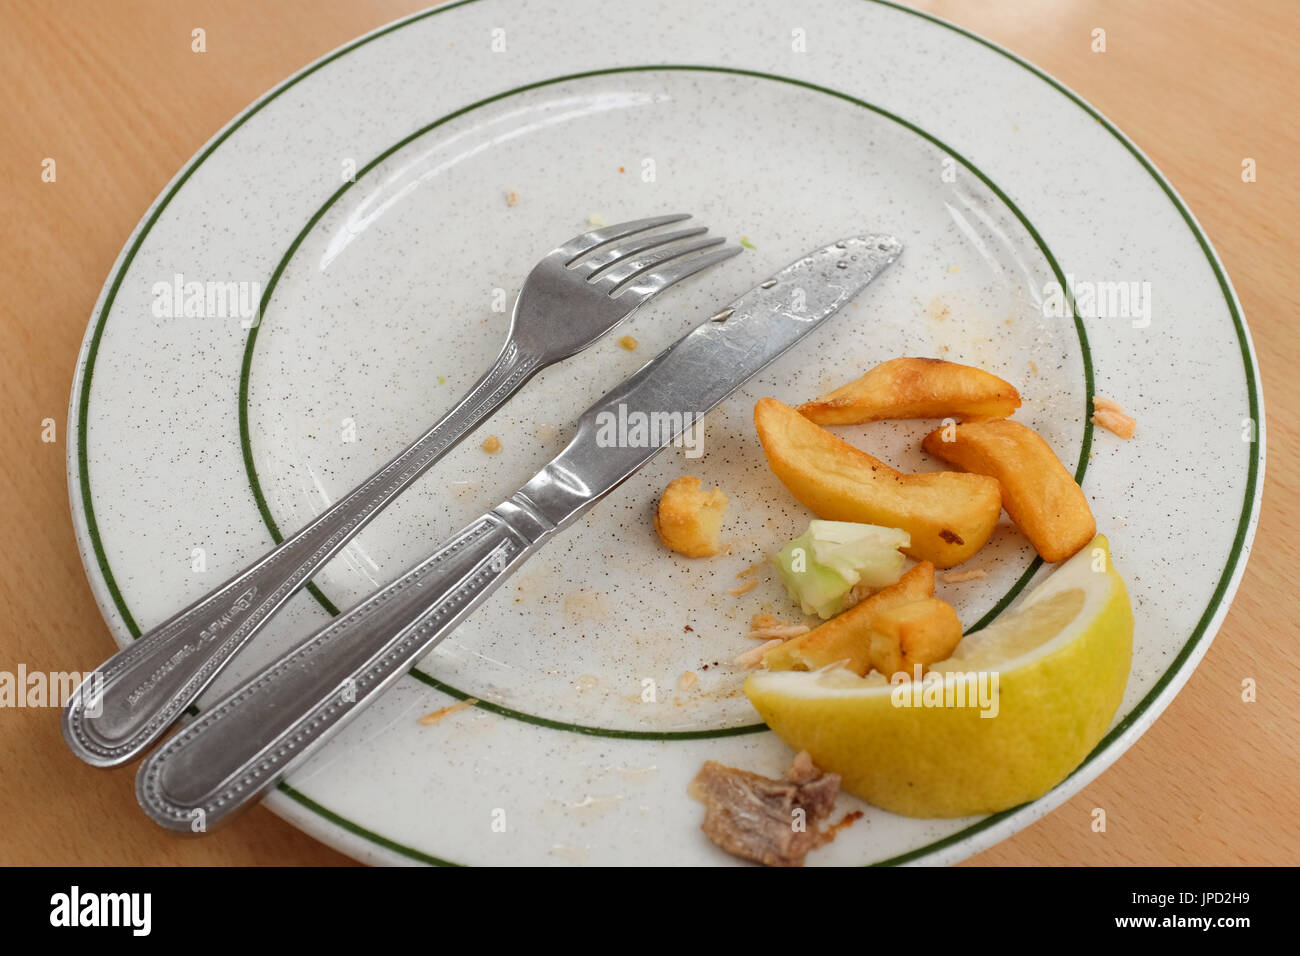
(703, 367)
(246, 742)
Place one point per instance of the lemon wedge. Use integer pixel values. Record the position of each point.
(1008, 716)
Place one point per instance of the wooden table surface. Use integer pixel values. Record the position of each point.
(112, 91)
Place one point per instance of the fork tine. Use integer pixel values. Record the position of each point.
(650, 284)
(580, 245)
(594, 263)
(630, 267)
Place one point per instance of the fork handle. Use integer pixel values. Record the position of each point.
(245, 743)
(131, 699)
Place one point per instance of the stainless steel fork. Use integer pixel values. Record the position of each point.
(575, 295)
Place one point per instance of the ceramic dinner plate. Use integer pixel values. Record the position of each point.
(356, 255)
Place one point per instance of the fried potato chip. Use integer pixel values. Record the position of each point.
(916, 388)
(1041, 497)
(847, 637)
(913, 634)
(689, 519)
(949, 515)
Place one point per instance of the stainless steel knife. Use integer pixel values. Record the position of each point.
(246, 742)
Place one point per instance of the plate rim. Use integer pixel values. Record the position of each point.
(363, 844)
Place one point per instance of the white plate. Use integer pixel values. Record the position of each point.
(196, 438)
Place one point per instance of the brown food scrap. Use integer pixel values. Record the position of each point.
(437, 715)
(744, 588)
(492, 444)
(628, 343)
(688, 680)
(832, 831)
(512, 198)
(951, 537)
(758, 818)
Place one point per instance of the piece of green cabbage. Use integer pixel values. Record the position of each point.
(822, 565)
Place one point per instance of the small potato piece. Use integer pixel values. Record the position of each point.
(916, 388)
(847, 637)
(948, 515)
(914, 634)
(689, 518)
(1041, 497)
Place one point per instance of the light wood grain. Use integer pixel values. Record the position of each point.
(112, 91)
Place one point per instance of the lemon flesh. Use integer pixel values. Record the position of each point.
(1049, 675)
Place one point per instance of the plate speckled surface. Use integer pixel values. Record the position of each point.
(362, 205)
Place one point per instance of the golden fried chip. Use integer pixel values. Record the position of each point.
(948, 515)
(689, 518)
(913, 634)
(916, 388)
(1041, 497)
(847, 637)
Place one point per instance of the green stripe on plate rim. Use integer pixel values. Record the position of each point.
(245, 438)
(1239, 540)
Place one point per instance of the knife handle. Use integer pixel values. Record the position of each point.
(240, 747)
(130, 700)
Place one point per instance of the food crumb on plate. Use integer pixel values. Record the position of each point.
(744, 588)
(688, 680)
(512, 198)
(767, 626)
(492, 444)
(957, 577)
(573, 855)
(438, 715)
(596, 219)
(628, 343)
(778, 630)
(754, 656)
(1110, 415)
